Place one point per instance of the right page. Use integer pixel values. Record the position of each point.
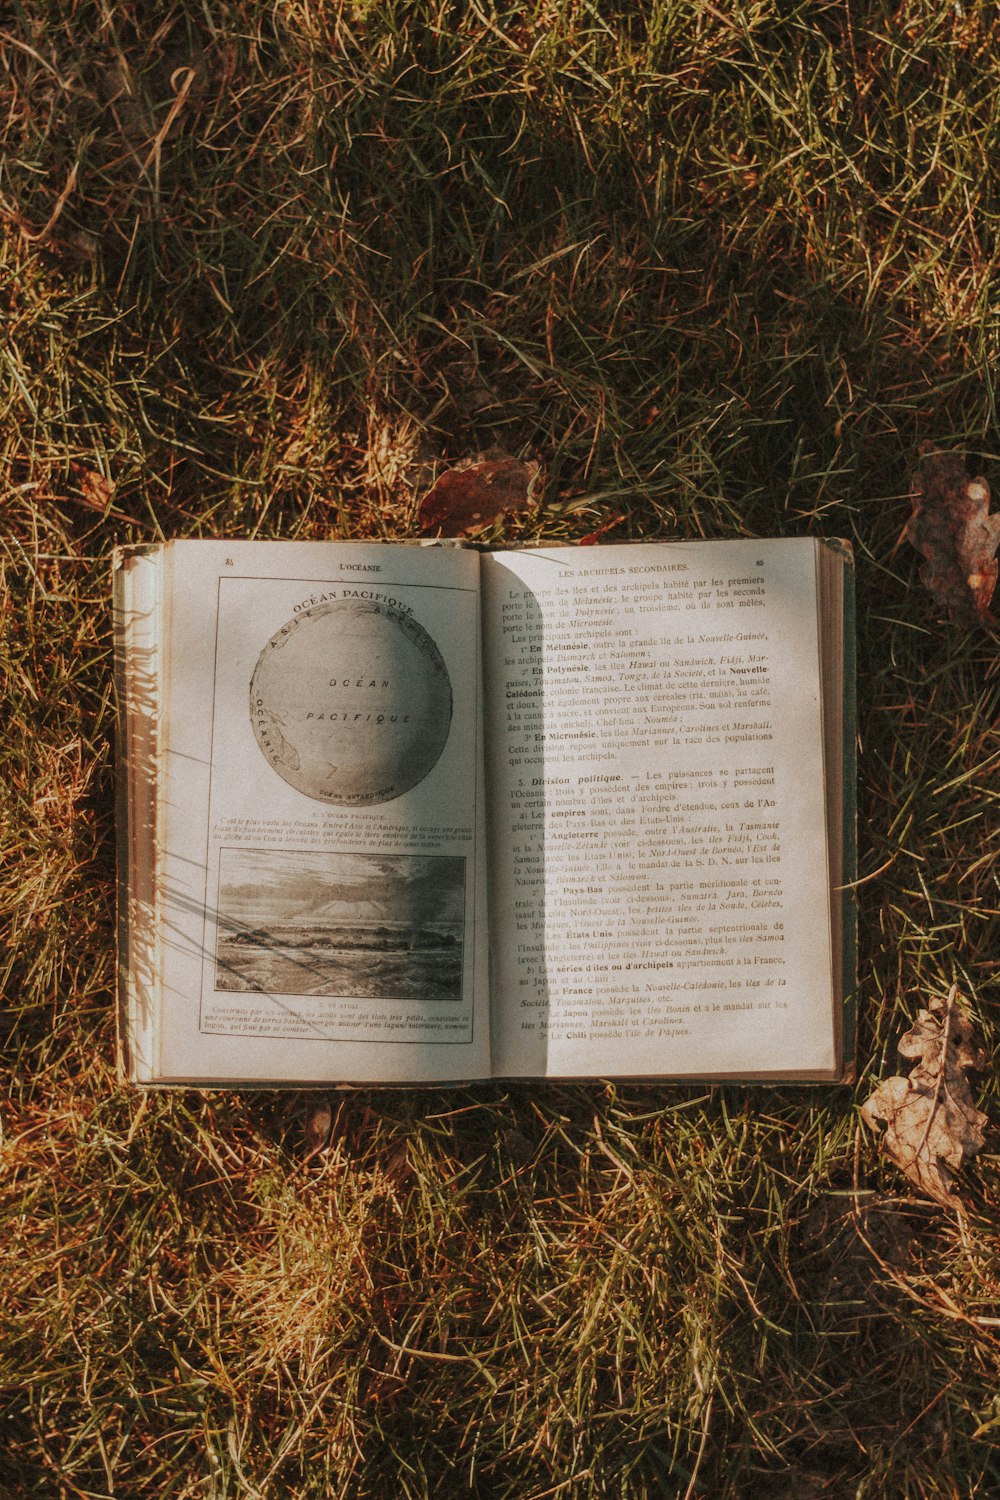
(660, 895)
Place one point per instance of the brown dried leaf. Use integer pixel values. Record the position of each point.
(319, 1122)
(932, 1126)
(472, 496)
(593, 537)
(952, 527)
(96, 492)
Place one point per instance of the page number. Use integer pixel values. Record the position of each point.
(230, 563)
(759, 563)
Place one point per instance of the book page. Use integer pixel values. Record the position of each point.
(323, 882)
(659, 887)
(138, 626)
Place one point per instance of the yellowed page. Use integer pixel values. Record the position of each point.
(659, 893)
(323, 879)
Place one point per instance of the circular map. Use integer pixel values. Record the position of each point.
(351, 702)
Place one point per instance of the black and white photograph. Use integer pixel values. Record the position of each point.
(360, 926)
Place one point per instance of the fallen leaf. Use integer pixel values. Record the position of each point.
(952, 527)
(931, 1124)
(319, 1121)
(472, 496)
(593, 537)
(96, 491)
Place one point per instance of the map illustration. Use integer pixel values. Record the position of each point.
(351, 702)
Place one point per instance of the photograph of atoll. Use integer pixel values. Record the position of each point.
(356, 925)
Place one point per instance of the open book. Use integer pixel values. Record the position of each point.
(403, 814)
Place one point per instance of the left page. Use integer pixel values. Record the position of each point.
(321, 872)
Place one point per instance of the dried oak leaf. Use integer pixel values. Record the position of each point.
(952, 527)
(95, 491)
(931, 1124)
(473, 495)
(319, 1122)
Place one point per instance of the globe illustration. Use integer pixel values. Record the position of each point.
(351, 702)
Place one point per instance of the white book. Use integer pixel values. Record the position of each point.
(410, 814)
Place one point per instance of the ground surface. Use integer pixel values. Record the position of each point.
(718, 270)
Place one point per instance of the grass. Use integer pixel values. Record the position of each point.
(265, 269)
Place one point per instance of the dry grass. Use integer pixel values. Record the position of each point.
(264, 268)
